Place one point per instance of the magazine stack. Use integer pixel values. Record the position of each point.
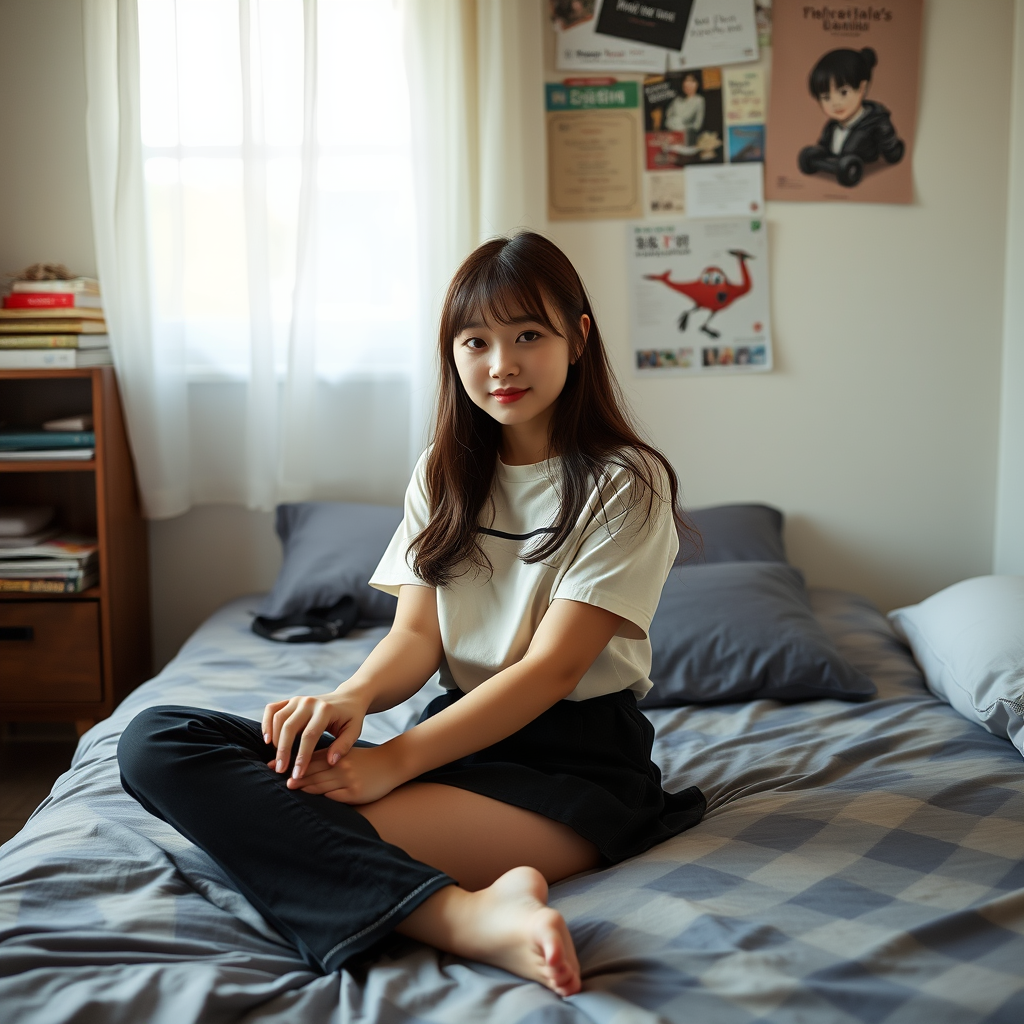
(58, 440)
(50, 320)
(37, 557)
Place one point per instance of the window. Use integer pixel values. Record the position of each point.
(259, 236)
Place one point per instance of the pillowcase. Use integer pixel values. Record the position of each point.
(735, 631)
(330, 550)
(969, 641)
(735, 533)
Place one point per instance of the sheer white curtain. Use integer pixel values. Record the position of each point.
(276, 224)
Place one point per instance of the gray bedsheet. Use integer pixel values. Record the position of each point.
(858, 863)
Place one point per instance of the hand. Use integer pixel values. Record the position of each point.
(361, 776)
(340, 713)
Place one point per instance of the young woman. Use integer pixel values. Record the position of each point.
(539, 530)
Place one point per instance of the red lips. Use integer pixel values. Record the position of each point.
(508, 395)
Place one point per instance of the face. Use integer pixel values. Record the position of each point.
(514, 372)
(841, 102)
(690, 85)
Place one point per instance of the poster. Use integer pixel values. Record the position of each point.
(699, 297)
(844, 101)
(744, 115)
(578, 47)
(654, 22)
(594, 138)
(683, 120)
(720, 32)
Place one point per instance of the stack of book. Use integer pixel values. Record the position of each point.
(53, 324)
(37, 558)
(71, 438)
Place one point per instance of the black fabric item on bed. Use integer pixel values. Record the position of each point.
(586, 764)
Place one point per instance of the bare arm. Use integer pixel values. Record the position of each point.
(395, 669)
(570, 636)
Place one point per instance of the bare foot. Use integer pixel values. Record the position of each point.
(508, 924)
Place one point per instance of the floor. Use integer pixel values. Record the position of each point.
(31, 758)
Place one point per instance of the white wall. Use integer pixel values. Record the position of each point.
(878, 433)
(1009, 541)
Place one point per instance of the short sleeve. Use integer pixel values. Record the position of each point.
(394, 570)
(624, 558)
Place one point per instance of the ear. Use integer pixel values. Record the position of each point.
(585, 331)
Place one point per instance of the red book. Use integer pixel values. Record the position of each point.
(38, 300)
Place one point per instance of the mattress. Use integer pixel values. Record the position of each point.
(857, 863)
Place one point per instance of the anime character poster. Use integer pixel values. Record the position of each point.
(683, 120)
(843, 108)
(699, 297)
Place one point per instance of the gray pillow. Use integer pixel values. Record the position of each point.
(736, 631)
(735, 533)
(330, 550)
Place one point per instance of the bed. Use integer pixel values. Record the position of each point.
(857, 863)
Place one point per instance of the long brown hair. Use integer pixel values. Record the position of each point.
(591, 430)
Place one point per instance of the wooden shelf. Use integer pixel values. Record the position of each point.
(76, 656)
(47, 465)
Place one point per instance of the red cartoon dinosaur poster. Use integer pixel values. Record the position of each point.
(699, 297)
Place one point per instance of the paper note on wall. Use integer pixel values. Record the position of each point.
(594, 144)
(720, 32)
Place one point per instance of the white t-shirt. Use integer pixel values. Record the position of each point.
(617, 561)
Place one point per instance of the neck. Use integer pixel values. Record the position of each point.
(524, 444)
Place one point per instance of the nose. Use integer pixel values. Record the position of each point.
(503, 362)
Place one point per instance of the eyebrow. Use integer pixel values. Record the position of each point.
(525, 318)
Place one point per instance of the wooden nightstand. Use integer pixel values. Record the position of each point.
(74, 657)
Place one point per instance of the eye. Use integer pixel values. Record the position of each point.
(475, 344)
(528, 336)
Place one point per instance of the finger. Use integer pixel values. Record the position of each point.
(268, 718)
(343, 742)
(310, 737)
(281, 716)
(290, 730)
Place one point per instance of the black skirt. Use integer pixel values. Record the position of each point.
(586, 764)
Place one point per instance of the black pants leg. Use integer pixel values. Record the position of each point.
(315, 868)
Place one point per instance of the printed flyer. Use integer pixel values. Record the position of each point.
(655, 22)
(594, 138)
(699, 297)
(720, 32)
(578, 47)
(844, 101)
(683, 119)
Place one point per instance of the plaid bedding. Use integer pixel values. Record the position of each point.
(858, 863)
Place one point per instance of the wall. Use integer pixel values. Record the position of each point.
(877, 434)
(1009, 542)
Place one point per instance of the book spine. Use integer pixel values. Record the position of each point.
(47, 439)
(37, 359)
(44, 586)
(9, 341)
(83, 285)
(38, 300)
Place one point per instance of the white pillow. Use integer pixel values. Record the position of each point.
(969, 641)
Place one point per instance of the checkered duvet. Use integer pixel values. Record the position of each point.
(859, 863)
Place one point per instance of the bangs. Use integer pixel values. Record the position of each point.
(499, 293)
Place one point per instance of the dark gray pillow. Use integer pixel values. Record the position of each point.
(734, 533)
(736, 631)
(330, 550)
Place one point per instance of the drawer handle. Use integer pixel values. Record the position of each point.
(17, 633)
